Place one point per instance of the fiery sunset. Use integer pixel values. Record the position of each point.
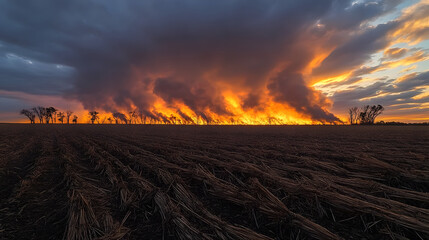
(214, 120)
(220, 62)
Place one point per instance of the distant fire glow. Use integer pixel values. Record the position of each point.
(216, 62)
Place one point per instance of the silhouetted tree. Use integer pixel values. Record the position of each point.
(141, 114)
(273, 121)
(75, 119)
(110, 120)
(68, 114)
(353, 115)
(121, 117)
(40, 112)
(116, 117)
(61, 117)
(173, 119)
(163, 119)
(185, 119)
(132, 117)
(142, 117)
(49, 112)
(94, 116)
(369, 113)
(205, 118)
(29, 114)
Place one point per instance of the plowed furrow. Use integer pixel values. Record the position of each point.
(171, 216)
(239, 197)
(346, 199)
(217, 227)
(37, 191)
(89, 213)
(18, 165)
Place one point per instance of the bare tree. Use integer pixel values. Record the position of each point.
(232, 121)
(273, 121)
(48, 114)
(133, 116)
(142, 117)
(369, 113)
(61, 117)
(121, 117)
(68, 115)
(75, 119)
(94, 116)
(115, 116)
(173, 119)
(29, 114)
(375, 112)
(184, 118)
(353, 115)
(40, 112)
(43, 111)
(54, 116)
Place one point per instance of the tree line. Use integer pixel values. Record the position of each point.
(46, 115)
(145, 117)
(49, 115)
(365, 115)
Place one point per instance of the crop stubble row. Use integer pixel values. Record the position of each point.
(85, 183)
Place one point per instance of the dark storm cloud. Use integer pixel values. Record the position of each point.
(344, 16)
(356, 51)
(351, 97)
(30, 76)
(414, 80)
(9, 104)
(125, 53)
(392, 56)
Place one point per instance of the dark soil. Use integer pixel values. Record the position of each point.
(213, 182)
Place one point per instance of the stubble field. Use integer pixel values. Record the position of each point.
(214, 182)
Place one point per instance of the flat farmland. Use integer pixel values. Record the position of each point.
(213, 182)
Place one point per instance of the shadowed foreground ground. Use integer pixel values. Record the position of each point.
(214, 182)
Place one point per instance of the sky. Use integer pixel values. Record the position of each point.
(223, 61)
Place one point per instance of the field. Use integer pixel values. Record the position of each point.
(214, 182)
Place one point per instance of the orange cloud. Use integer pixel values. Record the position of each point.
(418, 56)
(414, 24)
